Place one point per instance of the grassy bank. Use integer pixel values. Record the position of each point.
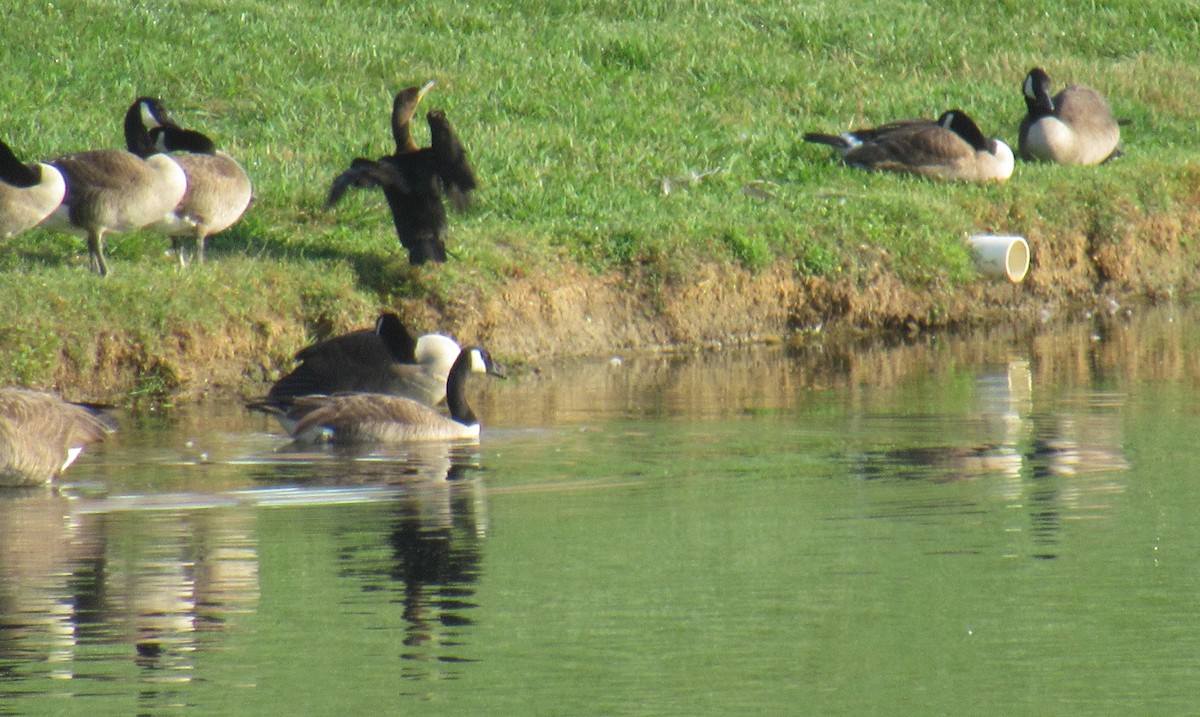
(577, 117)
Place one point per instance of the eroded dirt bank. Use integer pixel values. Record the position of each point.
(578, 314)
(537, 319)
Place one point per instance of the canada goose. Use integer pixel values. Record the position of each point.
(384, 360)
(28, 193)
(953, 148)
(1076, 126)
(414, 179)
(366, 417)
(41, 434)
(218, 191)
(110, 190)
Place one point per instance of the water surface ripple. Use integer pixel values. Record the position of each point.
(992, 524)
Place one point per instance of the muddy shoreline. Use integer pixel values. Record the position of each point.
(1071, 274)
(536, 319)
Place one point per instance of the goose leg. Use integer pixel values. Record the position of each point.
(96, 250)
(180, 251)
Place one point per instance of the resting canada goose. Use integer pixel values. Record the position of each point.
(953, 148)
(1076, 126)
(384, 360)
(366, 417)
(41, 434)
(414, 179)
(110, 190)
(28, 193)
(218, 189)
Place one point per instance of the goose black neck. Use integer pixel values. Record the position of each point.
(137, 138)
(177, 139)
(456, 383)
(396, 339)
(14, 172)
(1037, 94)
(962, 125)
(1040, 105)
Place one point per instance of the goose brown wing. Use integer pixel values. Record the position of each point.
(54, 420)
(1080, 104)
(910, 149)
(347, 411)
(37, 429)
(854, 138)
(100, 169)
(218, 190)
(1091, 118)
(341, 363)
(872, 134)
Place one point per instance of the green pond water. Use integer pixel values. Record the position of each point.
(996, 524)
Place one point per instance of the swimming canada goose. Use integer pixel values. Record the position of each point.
(414, 179)
(28, 193)
(1076, 126)
(218, 191)
(374, 417)
(384, 360)
(953, 148)
(111, 190)
(41, 434)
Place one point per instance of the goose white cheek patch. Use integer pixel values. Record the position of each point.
(148, 118)
(478, 365)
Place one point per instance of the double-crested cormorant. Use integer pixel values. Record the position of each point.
(218, 189)
(953, 148)
(374, 417)
(28, 193)
(1076, 126)
(111, 190)
(414, 179)
(41, 434)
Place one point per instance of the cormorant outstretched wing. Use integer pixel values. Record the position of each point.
(454, 172)
(365, 174)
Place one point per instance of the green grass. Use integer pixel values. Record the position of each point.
(573, 114)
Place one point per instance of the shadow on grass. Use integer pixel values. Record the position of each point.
(41, 249)
(380, 272)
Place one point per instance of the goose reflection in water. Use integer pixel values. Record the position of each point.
(1054, 465)
(65, 583)
(436, 530)
(40, 548)
(1072, 469)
